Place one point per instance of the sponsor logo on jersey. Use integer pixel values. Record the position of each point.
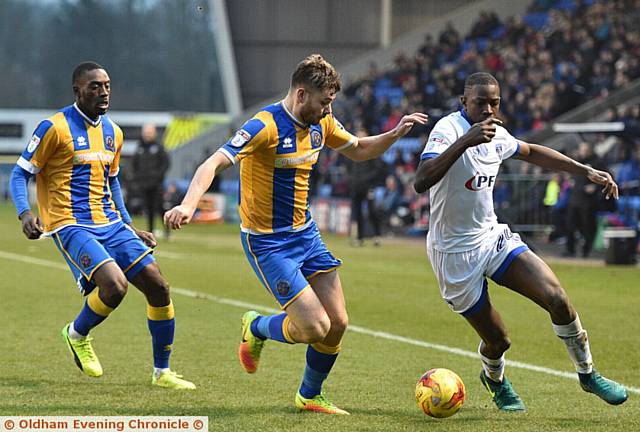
(33, 144)
(291, 162)
(479, 182)
(81, 158)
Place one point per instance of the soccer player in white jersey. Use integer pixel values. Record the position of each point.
(466, 243)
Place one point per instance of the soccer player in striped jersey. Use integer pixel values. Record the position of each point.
(75, 156)
(277, 150)
(466, 244)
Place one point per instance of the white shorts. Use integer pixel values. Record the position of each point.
(461, 275)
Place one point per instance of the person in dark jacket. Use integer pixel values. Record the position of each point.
(363, 178)
(150, 164)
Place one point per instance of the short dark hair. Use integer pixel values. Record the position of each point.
(480, 78)
(82, 68)
(314, 71)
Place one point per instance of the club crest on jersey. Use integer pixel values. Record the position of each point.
(283, 287)
(85, 260)
(479, 182)
(241, 138)
(33, 144)
(109, 142)
(81, 141)
(316, 139)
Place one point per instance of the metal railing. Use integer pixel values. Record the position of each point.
(518, 200)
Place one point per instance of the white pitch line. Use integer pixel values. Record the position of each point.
(353, 328)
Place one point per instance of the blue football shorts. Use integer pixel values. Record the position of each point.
(285, 262)
(86, 249)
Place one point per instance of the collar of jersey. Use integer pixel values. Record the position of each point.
(290, 114)
(84, 116)
(464, 115)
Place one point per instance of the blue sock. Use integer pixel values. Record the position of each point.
(162, 325)
(86, 320)
(271, 327)
(93, 313)
(317, 370)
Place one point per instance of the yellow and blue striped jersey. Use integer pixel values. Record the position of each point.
(277, 153)
(73, 158)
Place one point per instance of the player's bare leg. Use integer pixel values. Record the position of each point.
(532, 277)
(495, 342)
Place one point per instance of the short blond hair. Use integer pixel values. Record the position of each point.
(315, 72)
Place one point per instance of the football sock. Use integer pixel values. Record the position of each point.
(158, 371)
(162, 325)
(274, 327)
(493, 368)
(93, 313)
(577, 342)
(320, 360)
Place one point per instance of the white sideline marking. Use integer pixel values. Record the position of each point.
(356, 329)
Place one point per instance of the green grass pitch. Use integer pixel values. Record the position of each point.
(390, 289)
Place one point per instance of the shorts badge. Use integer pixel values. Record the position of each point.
(85, 260)
(283, 287)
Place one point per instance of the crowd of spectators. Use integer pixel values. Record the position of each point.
(559, 55)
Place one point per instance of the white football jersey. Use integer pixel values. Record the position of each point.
(462, 201)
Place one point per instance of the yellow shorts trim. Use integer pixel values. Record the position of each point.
(161, 313)
(69, 257)
(283, 307)
(100, 264)
(97, 305)
(137, 260)
(255, 259)
(323, 271)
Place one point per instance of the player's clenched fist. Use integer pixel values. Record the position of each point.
(178, 216)
(482, 132)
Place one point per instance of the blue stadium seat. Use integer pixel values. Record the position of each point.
(536, 20)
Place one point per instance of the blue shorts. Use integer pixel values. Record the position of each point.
(284, 262)
(86, 249)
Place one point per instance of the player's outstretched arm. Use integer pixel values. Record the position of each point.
(431, 171)
(372, 147)
(206, 172)
(554, 160)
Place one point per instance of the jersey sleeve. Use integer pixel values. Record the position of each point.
(337, 137)
(253, 135)
(40, 148)
(115, 165)
(440, 138)
(509, 145)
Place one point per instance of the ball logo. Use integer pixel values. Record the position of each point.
(479, 182)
